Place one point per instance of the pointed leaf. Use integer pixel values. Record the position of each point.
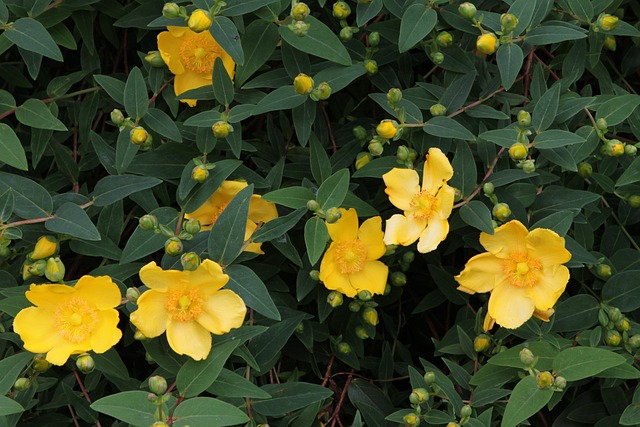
(11, 151)
(71, 219)
(244, 282)
(224, 31)
(227, 234)
(417, 22)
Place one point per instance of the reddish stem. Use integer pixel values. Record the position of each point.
(335, 417)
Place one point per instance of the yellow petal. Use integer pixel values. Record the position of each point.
(59, 354)
(49, 296)
(402, 186)
(250, 228)
(157, 278)
(189, 338)
(508, 238)
(100, 291)
(346, 228)
(372, 278)
(437, 170)
(481, 273)
(371, 235)
(151, 316)
(436, 231)
(189, 80)
(401, 230)
(169, 47)
(222, 312)
(36, 329)
(261, 210)
(332, 278)
(208, 277)
(229, 64)
(488, 323)
(548, 247)
(444, 202)
(107, 333)
(551, 284)
(544, 315)
(510, 305)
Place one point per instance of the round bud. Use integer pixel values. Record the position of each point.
(355, 306)
(362, 159)
(371, 66)
(615, 314)
(560, 382)
(612, 338)
(437, 57)
(394, 95)
(528, 166)
(634, 201)
(200, 173)
(341, 10)
(615, 148)
(630, 150)
(408, 257)
(501, 211)
(148, 222)
(159, 424)
(300, 11)
(370, 316)
(508, 22)
(518, 151)
(634, 341)
(322, 92)
(387, 129)
(314, 275)
(544, 379)
(40, 364)
(607, 22)
(411, 420)
(438, 110)
(346, 34)
(148, 358)
(132, 295)
(429, 377)
(467, 10)
(157, 385)
(173, 246)
(154, 59)
(303, 84)
(85, 363)
(602, 124)
(170, 10)
(374, 39)
(526, 357)
(221, 129)
(199, 21)
(38, 267)
(487, 43)
(138, 135)
(604, 271)
(22, 384)
(398, 278)
(54, 271)
(299, 28)
(623, 325)
(333, 215)
(139, 336)
(610, 43)
(524, 118)
(364, 295)
(481, 343)
(466, 411)
(360, 133)
(117, 117)
(444, 39)
(375, 148)
(361, 332)
(312, 205)
(585, 169)
(45, 247)
(190, 261)
(191, 226)
(453, 424)
(418, 396)
(343, 347)
(488, 188)
(335, 299)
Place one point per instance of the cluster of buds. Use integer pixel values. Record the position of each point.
(443, 39)
(617, 326)
(138, 135)
(330, 215)
(304, 85)
(42, 261)
(544, 379)
(613, 147)
(173, 246)
(501, 211)
(299, 12)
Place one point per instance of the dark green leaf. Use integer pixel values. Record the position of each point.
(447, 128)
(525, 400)
(477, 215)
(222, 84)
(132, 407)
(244, 282)
(333, 190)
(291, 197)
(618, 109)
(207, 412)
(35, 113)
(224, 31)
(621, 290)
(283, 98)
(277, 227)
(509, 59)
(576, 363)
(544, 113)
(258, 43)
(553, 34)
(11, 151)
(316, 236)
(30, 199)
(31, 35)
(159, 121)
(227, 234)
(288, 397)
(196, 376)
(136, 100)
(417, 22)
(110, 189)
(71, 219)
(319, 41)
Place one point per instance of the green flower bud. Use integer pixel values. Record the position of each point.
(221, 129)
(341, 10)
(38, 268)
(615, 314)
(85, 363)
(437, 57)
(374, 39)
(346, 34)
(333, 215)
(139, 336)
(634, 201)
(610, 43)
(148, 222)
(132, 295)
(170, 10)
(444, 39)
(398, 278)
(355, 306)
(154, 59)
(481, 343)
(438, 110)
(614, 148)
(147, 357)
(408, 257)
(300, 11)
(190, 261)
(602, 124)
(585, 170)
(117, 117)
(55, 270)
(526, 357)
(173, 246)
(312, 205)
(343, 347)
(360, 133)
(362, 159)
(418, 396)
(335, 299)
(518, 151)
(191, 226)
(508, 22)
(467, 10)
(488, 188)
(501, 211)
(375, 148)
(321, 92)
(314, 275)
(466, 411)
(411, 420)
(22, 384)
(40, 364)
(157, 385)
(303, 84)
(361, 332)
(524, 118)
(634, 341)
(623, 325)
(529, 166)
(560, 382)
(370, 315)
(429, 377)
(299, 28)
(371, 66)
(612, 338)
(300, 328)
(394, 95)
(364, 295)
(604, 271)
(630, 150)
(544, 379)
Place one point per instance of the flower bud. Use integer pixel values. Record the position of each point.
(607, 22)
(429, 377)
(321, 92)
(138, 135)
(54, 270)
(37, 268)
(387, 129)
(444, 39)
(526, 357)
(524, 118)
(508, 22)
(361, 332)
(374, 39)
(199, 173)
(355, 306)
(488, 188)
(303, 84)
(610, 43)
(159, 424)
(370, 315)
(157, 385)
(117, 117)
(343, 347)
(221, 129)
(408, 257)
(418, 396)
(148, 222)
(602, 124)
(341, 10)
(45, 247)
(544, 379)
(333, 215)
(346, 34)
(139, 336)
(314, 275)
(394, 95)
(501, 211)
(154, 59)
(371, 66)
(398, 278)
(630, 150)
(362, 159)
(614, 148)
(634, 341)
(132, 295)
(634, 201)
(481, 343)
(364, 295)
(300, 11)
(560, 382)
(190, 261)
(299, 28)
(615, 314)
(466, 411)
(487, 43)
(411, 420)
(585, 169)
(85, 363)
(623, 325)
(467, 10)
(438, 110)
(26, 274)
(612, 338)
(360, 133)
(529, 166)
(375, 148)
(40, 364)
(4, 250)
(437, 57)
(604, 271)
(191, 226)
(171, 10)
(22, 384)
(312, 205)
(199, 21)
(453, 424)
(518, 151)
(173, 246)
(335, 299)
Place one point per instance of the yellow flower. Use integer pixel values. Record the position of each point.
(70, 320)
(351, 265)
(189, 306)
(190, 56)
(302, 84)
(487, 43)
(523, 271)
(387, 129)
(46, 246)
(259, 210)
(425, 209)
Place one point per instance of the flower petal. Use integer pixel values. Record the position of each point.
(36, 329)
(481, 273)
(371, 235)
(49, 296)
(190, 80)
(508, 238)
(510, 305)
(372, 278)
(223, 311)
(548, 247)
(60, 353)
(444, 201)
(157, 278)
(437, 170)
(332, 278)
(551, 284)
(107, 333)
(436, 231)
(100, 291)
(261, 210)
(189, 338)
(250, 227)
(346, 228)
(401, 230)
(151, 316)
(402, 186)
(169, 48)
(208, 277)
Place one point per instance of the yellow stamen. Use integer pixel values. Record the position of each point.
(521, 270)
(422, 205)
(184, 305)
(75, 320)
(350, 256)
(198, 53)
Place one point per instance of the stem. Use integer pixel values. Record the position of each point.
(328, 372)
(622, 227)
(486, 176)
(84, 391)
(38, 220)
(341, 401)
(480, 101)
(49, 100)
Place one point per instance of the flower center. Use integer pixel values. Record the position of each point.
(198, 53)
(184, 305)
(75, 320)
(422, 205)
(521, 270)
(216, 212)
(350, 256)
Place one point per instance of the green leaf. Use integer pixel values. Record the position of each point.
(136, 99)
(618, 109)
(546, 108)
(291, 197)
(242, 7)
(244, 282)
(11, 151)
(319, 41)
(316, 236)
(576, 313)
(320, 163)
(266, 346)
(502, 137)
(258, 43)
(283, 98)
(6, 205)
(230, 384)
(333, 190)
(30, 200)
(509, 59)
(525, 400)
(288, 397)
(9, 406)
(621, 290)
(556, 138)
(201, 193)
(207, 412)
(340, 77)
(227, 234)
(553, 34)
(576, 363)
(417, 22)
(32, 36)
(377, 167)
(447, 128)
(159, 121)
(367, 11)
(35, 113)
(71, 219)
(583, 9)
(196, 376)
(631, 174)
(631, 415)
(222, 84)
(11, 368)
(277, 227)
(125, 151)
(560, 222)
(524, 10)
(477, 215)
(224, 31)
(464, 169)
(110, 189)
(457, 93)
(544, 351)
(113, 87)
(303, 117)
(132, 407)
(624, 371)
